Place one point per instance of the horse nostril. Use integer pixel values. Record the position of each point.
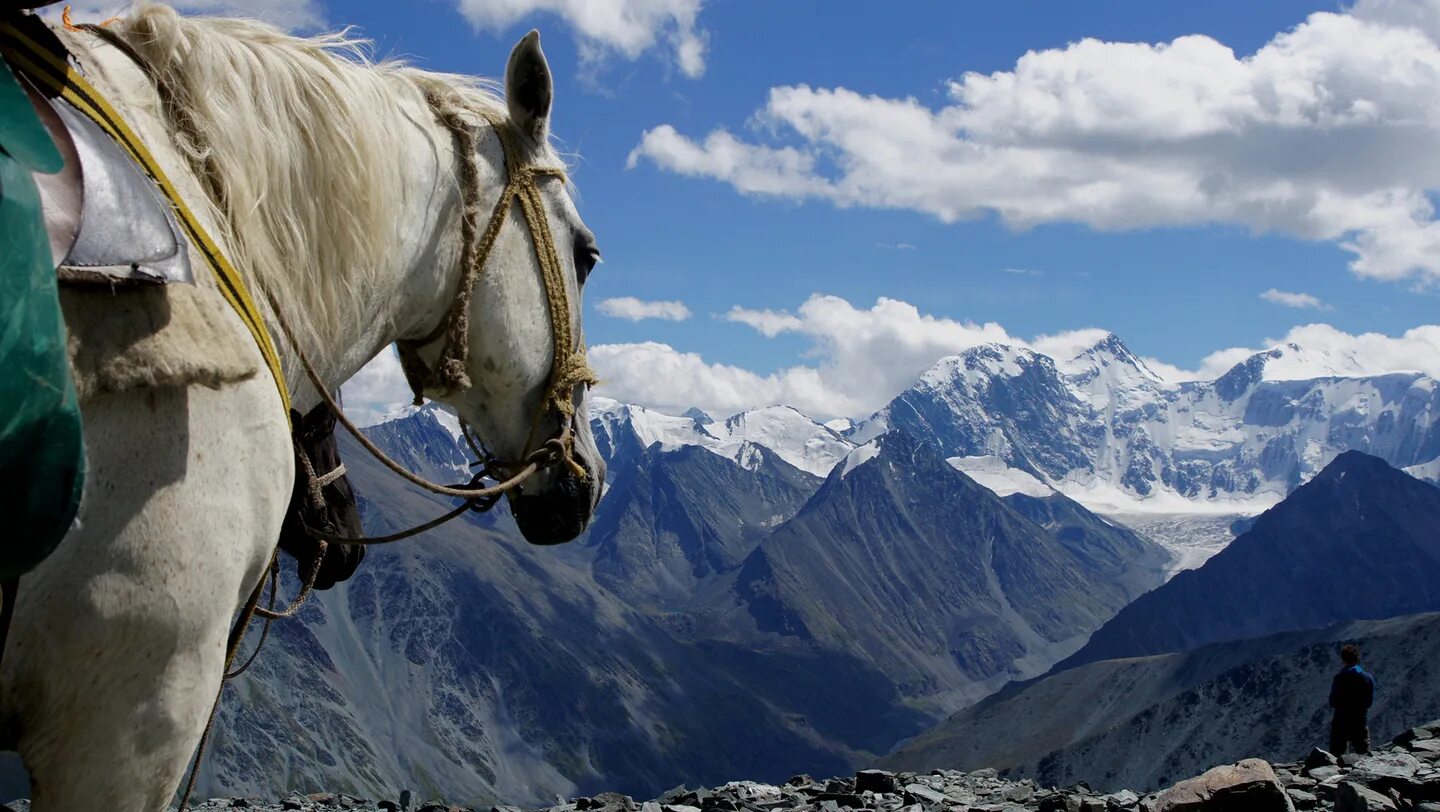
(558, 514)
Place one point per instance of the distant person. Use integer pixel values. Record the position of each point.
(1351, 693)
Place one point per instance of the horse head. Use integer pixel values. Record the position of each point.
(523, 363)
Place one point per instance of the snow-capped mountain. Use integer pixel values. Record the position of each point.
(795, 438)
(1102, 428)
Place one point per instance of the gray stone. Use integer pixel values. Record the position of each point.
(1124, 799)
(1385, 770)
(1249, 786)
(919, 793)
(1060, 802)
(1351, 797)
(1017, 793)
(1301, 799)
(876, 781)
(1318, 758)
(1425, 747)
(1414, 734)
(1323, 774)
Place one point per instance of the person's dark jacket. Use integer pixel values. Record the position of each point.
(1352, 691)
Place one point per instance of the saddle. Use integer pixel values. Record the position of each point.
(127, 246)
(127, 232)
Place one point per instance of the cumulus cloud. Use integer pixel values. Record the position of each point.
(661, 377)
(378, 389)
(1323, 349)
(769, 323)
(289, 14)
(1327, 132)
(861, 357)
(607, 28)
(629, 307)
(1302, 301)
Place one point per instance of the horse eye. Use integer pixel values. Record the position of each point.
(587, 255)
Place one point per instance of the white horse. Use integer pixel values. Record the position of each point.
(335, 189)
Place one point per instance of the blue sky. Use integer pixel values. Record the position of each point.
(753, 155)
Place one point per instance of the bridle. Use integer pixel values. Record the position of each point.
(449, 375)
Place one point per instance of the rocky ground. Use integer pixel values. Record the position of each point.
(1403, 776)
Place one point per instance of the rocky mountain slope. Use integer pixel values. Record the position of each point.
(1144, 722)
(472, 665)
(674, 521)
(904, 562)
(469, 663)
(1358, 541)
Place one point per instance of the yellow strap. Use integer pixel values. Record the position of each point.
(57, 76)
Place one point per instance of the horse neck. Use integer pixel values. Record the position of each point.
(420, 274)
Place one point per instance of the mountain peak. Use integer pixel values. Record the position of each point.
(699, 415)
(1110, 360)
(980, 363)
(1354, 463)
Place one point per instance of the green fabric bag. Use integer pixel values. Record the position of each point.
(42, 452)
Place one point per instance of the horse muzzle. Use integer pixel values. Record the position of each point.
(560, 512)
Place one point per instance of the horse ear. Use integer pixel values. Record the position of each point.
(528, 87)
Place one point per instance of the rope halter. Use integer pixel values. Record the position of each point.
(450, 375)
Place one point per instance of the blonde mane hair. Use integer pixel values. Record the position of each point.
(300, 142)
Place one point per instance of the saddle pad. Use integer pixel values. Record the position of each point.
(154, 336)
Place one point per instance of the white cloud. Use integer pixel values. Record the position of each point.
(1169, 372)
(629, 307)
(861, 359)
(769, 323)
(1303, 301)
(1325, 349)
(288, 14)
(627, 28)
(1023, 271)
(1328, 132)
(661, 377)
(377, 389)
(1067, 344)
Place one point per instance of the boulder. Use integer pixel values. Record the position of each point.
(1425, 748)
(1249, 786)
(1318, 758)
(1301, 799)
(1414, 734)
(876, 781)
(1122, 800)
(921, 794)
(1351, 797)
(1385, 771)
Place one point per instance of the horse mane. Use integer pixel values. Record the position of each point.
(300, 142)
